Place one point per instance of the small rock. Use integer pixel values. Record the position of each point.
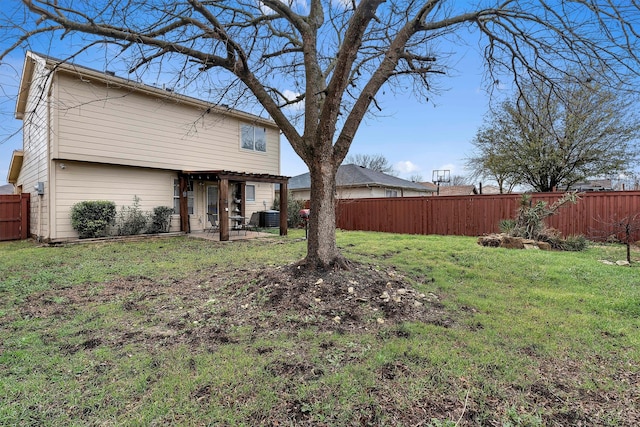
(336, 319)
(401, 291)
(509, 242)
(396, 298)
(385, 295)
(417, 304)
(350, 290)
(245, 306)
(380, 320)
(317, 299)
(353, 282)
(320, 281)
(544, 246)
(622, 262)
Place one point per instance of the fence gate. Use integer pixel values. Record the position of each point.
(14, 216)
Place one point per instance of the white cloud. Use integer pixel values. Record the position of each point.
(296, 5)
(290, 96)
(406, 167)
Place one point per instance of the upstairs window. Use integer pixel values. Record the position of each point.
(253, 138)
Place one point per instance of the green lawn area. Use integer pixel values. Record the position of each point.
(156, 332)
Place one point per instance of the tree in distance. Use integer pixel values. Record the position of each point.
(459, 180)
(316, 67)
(376, 162)
(555, 136)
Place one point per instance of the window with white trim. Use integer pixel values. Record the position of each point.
(250, 193)
(176, 197)
(253, 138)
(391, 193)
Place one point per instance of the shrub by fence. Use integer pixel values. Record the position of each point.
(480, 214)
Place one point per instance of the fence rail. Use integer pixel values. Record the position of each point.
(14, 216)
(480, 214)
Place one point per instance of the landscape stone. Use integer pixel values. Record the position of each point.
(545, 246)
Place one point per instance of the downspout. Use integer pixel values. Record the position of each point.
(52, 207)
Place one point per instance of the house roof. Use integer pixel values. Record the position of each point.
(358, 176)
(593, 185)
(490, 189)
(6, 189)
(61, 66)
(458, 190)
(430, 185)
(15, 166)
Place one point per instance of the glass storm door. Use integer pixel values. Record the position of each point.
(212, 200)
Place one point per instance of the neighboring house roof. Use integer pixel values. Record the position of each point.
(458, 190)
(490, 189)
(430, 185)
(358, 176)
(59, 65)
(592, 185)
(6, 189)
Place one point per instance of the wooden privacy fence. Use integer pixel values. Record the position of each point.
(14, 216)
(480, 214)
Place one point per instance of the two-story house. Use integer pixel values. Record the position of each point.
(90, 135)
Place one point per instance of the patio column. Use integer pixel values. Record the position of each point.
(283, 208)
(243, 197)
(223, 208)
(184, 204)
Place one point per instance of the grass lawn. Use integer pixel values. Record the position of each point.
(425, 330)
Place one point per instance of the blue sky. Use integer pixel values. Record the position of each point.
(419, 137)
(416, 137)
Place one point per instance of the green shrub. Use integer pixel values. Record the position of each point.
(131, 219)
(574, 243)
(293, 210)
(92, 217)
(160, 219)
(506, 225)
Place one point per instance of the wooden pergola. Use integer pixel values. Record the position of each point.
(224, 178)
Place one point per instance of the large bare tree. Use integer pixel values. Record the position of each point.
(376, 162)
(335, 56)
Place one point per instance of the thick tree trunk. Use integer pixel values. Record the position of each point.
(322, 250)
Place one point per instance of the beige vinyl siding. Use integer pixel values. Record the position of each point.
(34, 145)
(361, 193)
(89, 181)
(301, 194)
(114, 125)
(382, 192)
(265, 195)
